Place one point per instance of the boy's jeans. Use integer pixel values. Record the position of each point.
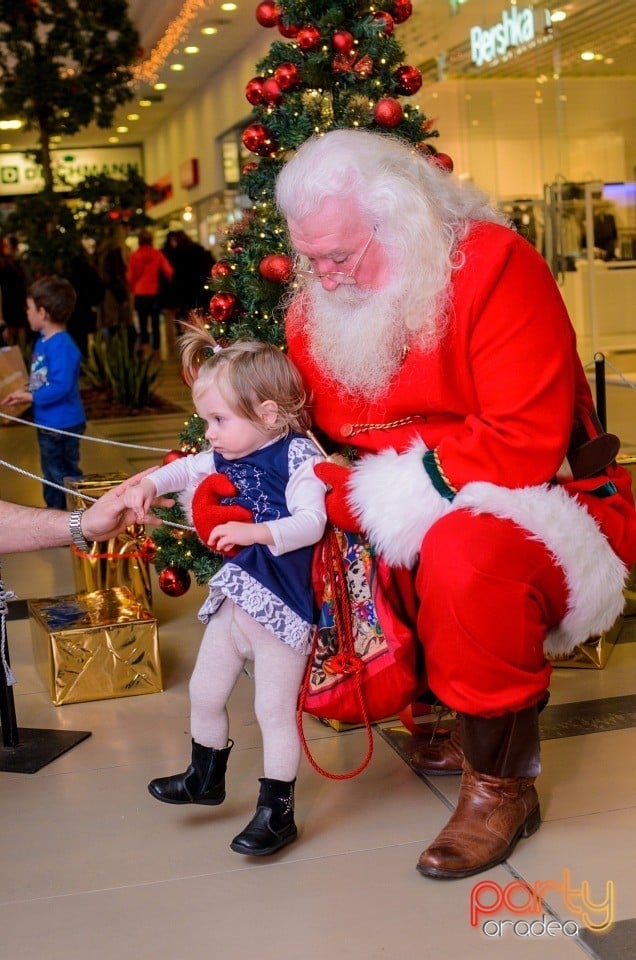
(59, 458)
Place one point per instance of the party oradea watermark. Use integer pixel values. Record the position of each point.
(525, 901)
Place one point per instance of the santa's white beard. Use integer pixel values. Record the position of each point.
(357, 336)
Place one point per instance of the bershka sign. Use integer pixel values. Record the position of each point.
(515, 28)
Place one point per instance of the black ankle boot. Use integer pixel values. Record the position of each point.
(203, 781)
(272, 826)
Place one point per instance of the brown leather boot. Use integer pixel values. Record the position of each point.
(492, 814)
(439, 757)
(497, 801)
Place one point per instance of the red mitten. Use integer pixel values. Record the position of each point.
(338, 509)
(208, 511)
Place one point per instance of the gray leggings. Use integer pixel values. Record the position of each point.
(232, 637)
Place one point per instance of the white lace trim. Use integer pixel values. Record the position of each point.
(263, 606)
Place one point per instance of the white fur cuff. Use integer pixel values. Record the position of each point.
(396, 502)
(594, 574)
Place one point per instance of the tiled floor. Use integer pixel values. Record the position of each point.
(92, 867)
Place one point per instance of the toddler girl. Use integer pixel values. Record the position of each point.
(260, 467)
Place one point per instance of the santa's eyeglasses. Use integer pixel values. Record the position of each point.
(340, 276)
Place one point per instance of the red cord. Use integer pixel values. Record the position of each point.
(334, 563)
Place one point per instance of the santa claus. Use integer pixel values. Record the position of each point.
(434, 341)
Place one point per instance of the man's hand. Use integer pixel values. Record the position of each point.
(336, 479)
(208, 512)
(109, 516)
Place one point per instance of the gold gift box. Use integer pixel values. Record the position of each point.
(109, 563)
(95, 646)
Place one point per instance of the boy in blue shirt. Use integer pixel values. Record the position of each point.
(53, 386)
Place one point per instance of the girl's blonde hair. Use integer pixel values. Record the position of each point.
(247, 373)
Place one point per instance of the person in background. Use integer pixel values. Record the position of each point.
(13, 286)
(434, 342)
(260, 605)
(112, 258)
(53, 386)
(90, 293)
(192, 263)
(145, 268)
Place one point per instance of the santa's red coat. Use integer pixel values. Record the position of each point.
(496, 400)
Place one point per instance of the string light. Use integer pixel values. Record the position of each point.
(148, 70)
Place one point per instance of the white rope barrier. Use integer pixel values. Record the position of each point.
(81, 436)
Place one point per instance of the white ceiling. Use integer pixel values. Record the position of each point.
(608, 26)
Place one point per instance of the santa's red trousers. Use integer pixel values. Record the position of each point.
(487, 595)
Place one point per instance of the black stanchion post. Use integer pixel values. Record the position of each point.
(25, 750)
(599, 379)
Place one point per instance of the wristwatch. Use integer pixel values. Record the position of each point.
(75, 528)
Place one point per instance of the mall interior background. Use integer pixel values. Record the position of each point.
(533, 123)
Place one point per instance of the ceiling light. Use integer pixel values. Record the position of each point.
(113, 139)
(177, 67)
(122, 129)
(5, 146)
(132, 116)
(609, 60)
(55, 139)
(145, 103)
(587, 55)
(10, 124)
(228, 7)
(191, 49)
(161, 86)
(209, 31)
(558, 16)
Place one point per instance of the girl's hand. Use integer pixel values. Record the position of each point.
(227, 536)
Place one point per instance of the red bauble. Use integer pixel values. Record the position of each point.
(268, 14)
(383, 17)
(258, 139)
(402, 10)
(271, 92)
(289, 32)
(308, 38)
(221, 270)
(276, 267)
(342, 41)
(174, 581)
(222, 306)
(287, 76)
(408, 80)
(443, 160)
(388, 112)
(254, 90)
(172, 455)
(148, 550)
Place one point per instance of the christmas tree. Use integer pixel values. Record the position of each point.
(335, 65)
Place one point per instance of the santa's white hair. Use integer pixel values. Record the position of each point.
(419, 211)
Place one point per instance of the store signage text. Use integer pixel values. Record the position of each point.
(20, 175)
(515, 28)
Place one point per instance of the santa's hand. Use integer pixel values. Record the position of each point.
(339, 511)
(208, 511)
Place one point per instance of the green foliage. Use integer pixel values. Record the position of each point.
(45, 222)
(113, 366)
(102, 201)
(332, 92)
(178, 548)
(63, 65)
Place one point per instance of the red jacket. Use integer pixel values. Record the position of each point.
(496, 400)
(144, 269)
